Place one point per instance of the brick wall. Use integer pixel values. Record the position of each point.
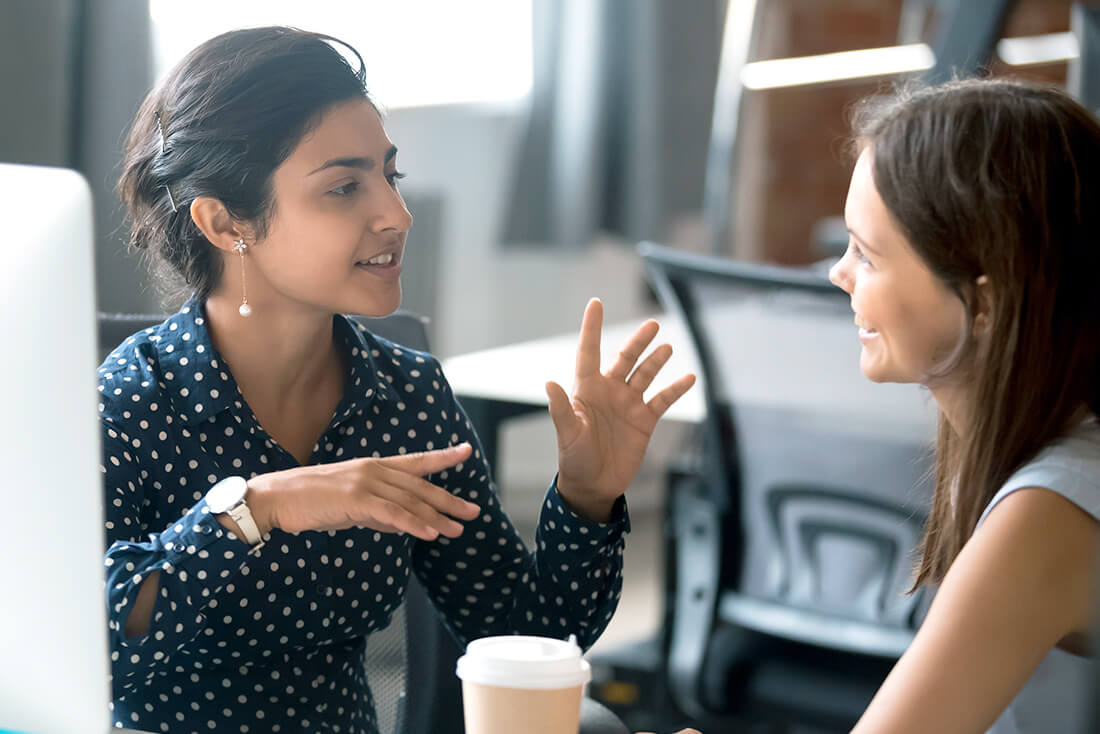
(793, 167)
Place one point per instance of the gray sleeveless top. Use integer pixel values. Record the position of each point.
(1058, 695)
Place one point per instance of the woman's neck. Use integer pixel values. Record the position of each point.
(279, 355)
(952, 401)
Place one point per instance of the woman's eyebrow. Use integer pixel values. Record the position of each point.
(862, 242)
(362, 162)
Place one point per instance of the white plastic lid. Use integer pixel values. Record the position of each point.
(516, 661)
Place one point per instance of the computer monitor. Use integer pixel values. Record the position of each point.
(53, 628)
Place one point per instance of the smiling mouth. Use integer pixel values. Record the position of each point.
(385, 260)
(864, 329)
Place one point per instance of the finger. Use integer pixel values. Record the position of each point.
(633, 349)
(382, 527)
(408, 508)
(566, 423)
(648, 369)
(438, 498)
(588, 347)
(663, 400)
(392, 514)
(429, 462)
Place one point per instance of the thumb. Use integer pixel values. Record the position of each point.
(429, 462)
(566, 423)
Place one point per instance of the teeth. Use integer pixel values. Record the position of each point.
(381, 259)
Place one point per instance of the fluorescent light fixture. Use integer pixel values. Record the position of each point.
(1044, 49)
(865, 62)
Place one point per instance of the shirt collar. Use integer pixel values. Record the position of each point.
(185, 352)
(367, 382)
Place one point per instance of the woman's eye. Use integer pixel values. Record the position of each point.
(394, 177)
(859, 253)
(345, 189)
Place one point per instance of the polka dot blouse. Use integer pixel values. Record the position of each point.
(274, 640)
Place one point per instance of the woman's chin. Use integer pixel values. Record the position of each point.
(873, 370)
(377, 305)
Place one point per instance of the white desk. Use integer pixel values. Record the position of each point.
(516, 373)
(497, 384)
(775, 358)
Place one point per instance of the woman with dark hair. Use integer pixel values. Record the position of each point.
(265, 458)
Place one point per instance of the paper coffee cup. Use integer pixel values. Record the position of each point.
(523, 684)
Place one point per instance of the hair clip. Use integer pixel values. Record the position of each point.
(160, 127)
(171, 201)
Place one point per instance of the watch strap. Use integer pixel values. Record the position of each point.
(243, 517)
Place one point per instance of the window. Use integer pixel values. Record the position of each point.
(417, 52)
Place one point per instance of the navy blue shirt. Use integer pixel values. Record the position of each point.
(274, 639)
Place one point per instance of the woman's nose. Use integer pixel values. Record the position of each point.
(393, 214)
(840, 276)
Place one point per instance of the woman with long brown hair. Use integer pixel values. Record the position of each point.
(972, 265)
(973, 214)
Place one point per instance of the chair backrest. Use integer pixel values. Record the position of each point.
(410, 664)
(819, 472)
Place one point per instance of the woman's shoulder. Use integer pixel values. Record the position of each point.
(132, 375)
(1075, 455)
(1069, 466)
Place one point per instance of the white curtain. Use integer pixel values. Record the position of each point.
(619, 119)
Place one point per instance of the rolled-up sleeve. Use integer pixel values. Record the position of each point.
(195, 555)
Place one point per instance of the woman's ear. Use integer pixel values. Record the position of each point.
(213, 220)
(983, 305)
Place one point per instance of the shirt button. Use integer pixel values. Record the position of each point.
(320, 589)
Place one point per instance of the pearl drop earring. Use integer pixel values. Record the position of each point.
(245, 310)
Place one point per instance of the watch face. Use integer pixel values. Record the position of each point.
(226, 493)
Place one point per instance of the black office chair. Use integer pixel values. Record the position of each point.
(791, 540)
(411, 663)
(1093, 724)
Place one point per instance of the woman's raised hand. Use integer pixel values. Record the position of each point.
(604, 428)
(387, 494)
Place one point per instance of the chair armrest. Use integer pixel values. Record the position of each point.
(598, 719)
(815, 628)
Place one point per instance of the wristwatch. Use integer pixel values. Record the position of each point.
(228, 496)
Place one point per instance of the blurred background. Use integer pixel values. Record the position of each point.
(543, 139)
